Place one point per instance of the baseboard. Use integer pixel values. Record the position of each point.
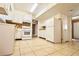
(18, 39)
(42, 37)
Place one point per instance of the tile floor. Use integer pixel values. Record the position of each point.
(40, 47)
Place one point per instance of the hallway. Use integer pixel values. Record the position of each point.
(40, 47)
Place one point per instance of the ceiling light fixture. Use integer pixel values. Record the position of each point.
(34, 7)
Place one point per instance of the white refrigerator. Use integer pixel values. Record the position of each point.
(7, 32)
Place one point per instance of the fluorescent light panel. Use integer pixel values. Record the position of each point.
(34, 7)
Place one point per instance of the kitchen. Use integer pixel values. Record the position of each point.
(47, 28)
(38, 29)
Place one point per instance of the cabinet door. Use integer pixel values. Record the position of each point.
(18, 34)
(49, 22)
(50, 34)
(42, 33)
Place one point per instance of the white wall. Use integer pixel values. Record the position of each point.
(66, 28)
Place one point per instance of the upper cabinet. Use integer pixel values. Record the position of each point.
(49, 22)
(3, 11)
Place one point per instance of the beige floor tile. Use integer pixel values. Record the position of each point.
(66, 51)
(55, 47)
(40, 47)
(50, 50)
(28, 54)
(76, 53)
(23, 46)
(56, 54)
(34, 44)
(16, 52)
(41, 52)
(74, 47)
(36, 48)
(16, 44)
(25, 50)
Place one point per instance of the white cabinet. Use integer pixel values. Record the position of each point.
(50, 34)
(49, 22)
(7, 33)
(18, 34)
(42, 33)
(53, 30)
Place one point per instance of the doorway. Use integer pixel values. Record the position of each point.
(75, 29)
(34, 28)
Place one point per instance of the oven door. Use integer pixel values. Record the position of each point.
(26, 34)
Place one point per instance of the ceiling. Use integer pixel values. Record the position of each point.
(26, 7)
(71, 9)
(41, 6)
(51, 8)
(4, 5)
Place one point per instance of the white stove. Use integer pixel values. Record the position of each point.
(26, 33)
